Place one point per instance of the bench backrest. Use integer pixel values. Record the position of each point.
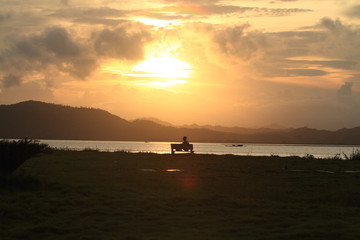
(181, 146)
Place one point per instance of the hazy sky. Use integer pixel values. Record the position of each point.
(249, 63)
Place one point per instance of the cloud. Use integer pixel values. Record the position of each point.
(122, 42)
(64, 2)
(11, 80)
(61, 50)
(303, 72)
(5, 16)
(353, 12)
(346, 89)
(54, 47)
(340, 41)
(192, 9)
(314, 52)
(237, 41)
(59, 42)
(96, 15)
(94, 12)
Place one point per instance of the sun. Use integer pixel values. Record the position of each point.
(164, 71)
(163, 67)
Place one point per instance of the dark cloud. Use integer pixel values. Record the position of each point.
(332, 25)
(184, 9)
(58, 49)
(346, 89)
(99, 21)
(64, 2)
(280, 54)
(304, 72)
(353, 11)
(238, 42)
(58, 41)
(341, 41)
(53, 47)
(11, 80)
(102, 15)
(5, 16)
(101, 12)
(119, 43)
(339, 64)
(191, 9)
(253, 11)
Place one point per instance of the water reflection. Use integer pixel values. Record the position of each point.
(165, 170)
(321, 151)
(173, 170)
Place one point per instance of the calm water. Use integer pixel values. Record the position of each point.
(320, 151)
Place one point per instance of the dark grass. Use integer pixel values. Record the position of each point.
(99, 195)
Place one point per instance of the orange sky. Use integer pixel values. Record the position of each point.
(234, 63)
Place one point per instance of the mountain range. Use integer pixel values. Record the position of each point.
(40, 120)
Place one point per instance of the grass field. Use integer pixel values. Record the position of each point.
(133, 196)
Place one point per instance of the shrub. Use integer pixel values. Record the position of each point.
(355, 155)
(336, 157)
(16, 152)
(309, 157)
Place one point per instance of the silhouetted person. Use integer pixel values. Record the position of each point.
(185, 141)
(184, 146)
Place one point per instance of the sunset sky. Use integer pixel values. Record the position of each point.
(251, 63)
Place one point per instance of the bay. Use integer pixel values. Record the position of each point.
(318, 151)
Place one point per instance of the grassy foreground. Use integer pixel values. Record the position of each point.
(128, 196)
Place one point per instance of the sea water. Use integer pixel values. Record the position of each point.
(319, 151)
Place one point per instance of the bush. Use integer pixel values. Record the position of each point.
(16, 152)
(355, 155)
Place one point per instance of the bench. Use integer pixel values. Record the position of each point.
(181, 148)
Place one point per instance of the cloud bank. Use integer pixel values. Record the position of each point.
(248, 58)
(57, 49)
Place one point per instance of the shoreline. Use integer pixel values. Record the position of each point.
(323, 151)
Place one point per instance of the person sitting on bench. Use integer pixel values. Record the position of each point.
(185, 146)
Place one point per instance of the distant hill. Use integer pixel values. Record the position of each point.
(155, 120)
(39, 120)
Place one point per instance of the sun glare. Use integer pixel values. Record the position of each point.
(160, 72)
(162, 67)
(158, 23)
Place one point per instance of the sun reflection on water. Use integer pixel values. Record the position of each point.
(174, 170)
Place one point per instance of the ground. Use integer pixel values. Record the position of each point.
(138, 196)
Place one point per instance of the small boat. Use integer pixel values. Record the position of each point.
(235, 145)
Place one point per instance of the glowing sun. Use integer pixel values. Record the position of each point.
(161, 71)
(155, 71)
(162, 67)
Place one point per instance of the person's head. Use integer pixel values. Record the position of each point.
(184, 138)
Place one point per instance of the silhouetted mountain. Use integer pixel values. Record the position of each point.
(155, 120)
(39, 120)
(33, 119)
(239, 130)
